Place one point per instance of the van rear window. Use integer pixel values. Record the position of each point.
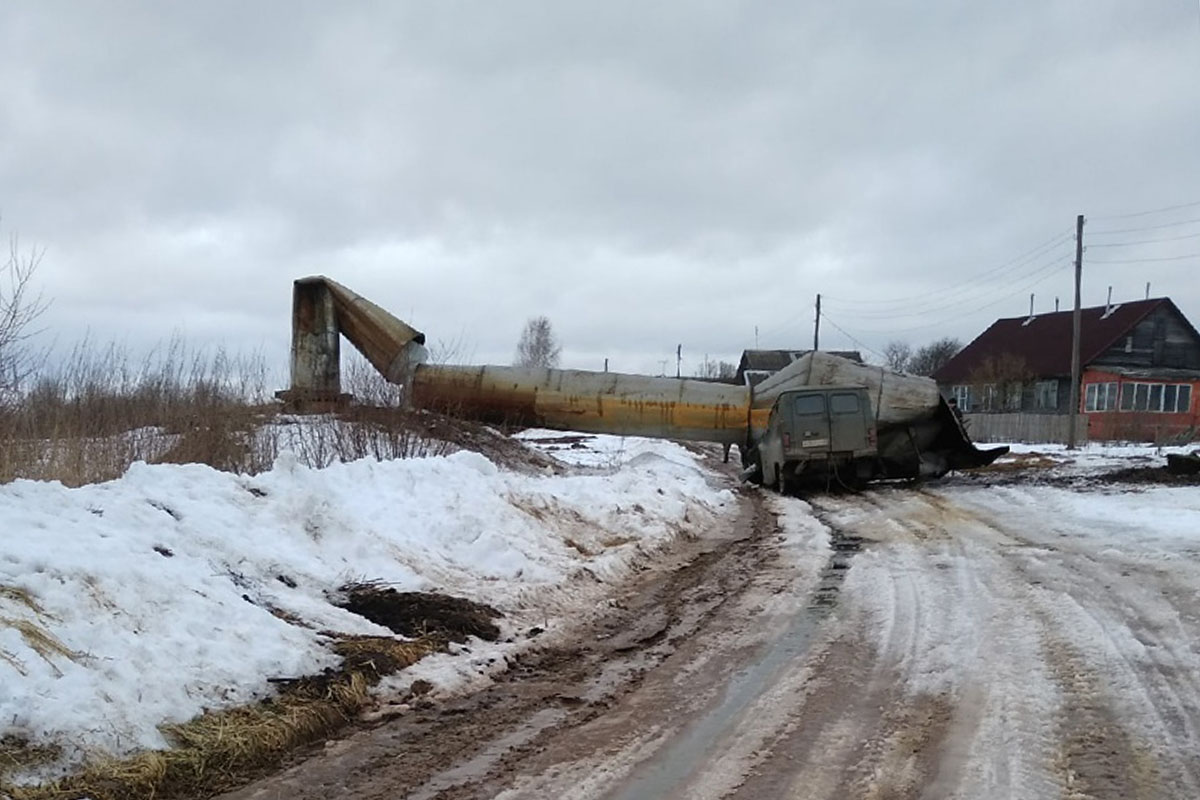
(844, 403)
(810, 404)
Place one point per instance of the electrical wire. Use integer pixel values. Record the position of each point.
(1143, 260)
(1025, 257)
(1146, 241)
(939, 301)
(861, 346)
(1146, 228)
(924, 303)
(976, 309)
(1162, 210)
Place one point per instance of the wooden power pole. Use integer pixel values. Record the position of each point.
(817, 327)
(1076, 324)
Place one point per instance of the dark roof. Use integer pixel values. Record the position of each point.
(1045, 342)
(775, 360)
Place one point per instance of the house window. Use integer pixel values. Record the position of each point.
(962, 397)
(1100, 397)
(1046, 395)
(989, 397)
(1167, 398)
(1012, 397)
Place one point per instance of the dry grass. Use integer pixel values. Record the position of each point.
(40, 640)
(88, 419)
(18, 754)
(18, 595)
(221, 750)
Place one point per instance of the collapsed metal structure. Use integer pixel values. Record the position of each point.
(918, 433)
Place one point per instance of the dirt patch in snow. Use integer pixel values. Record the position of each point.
(427, 614)
(222, 749)
(1149, 475)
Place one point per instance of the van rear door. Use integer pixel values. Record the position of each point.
(810, 421)
(848, 427)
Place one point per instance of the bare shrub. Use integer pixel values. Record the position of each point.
(88, 417)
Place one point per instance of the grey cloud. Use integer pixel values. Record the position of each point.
(642, 173)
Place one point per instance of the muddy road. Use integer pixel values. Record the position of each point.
(964, 641)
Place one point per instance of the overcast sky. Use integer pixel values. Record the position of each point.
(644, 174)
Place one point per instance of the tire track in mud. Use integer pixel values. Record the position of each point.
(1076, 586)
(712, 756)
(1096, 759)
(474, 746)
(1094, 751)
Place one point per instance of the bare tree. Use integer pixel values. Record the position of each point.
(933, 356)
(20, 306)
(897, 355)
(537, 346)
(717, 370)
(1000, 381)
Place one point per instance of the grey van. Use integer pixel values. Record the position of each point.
(819, 433)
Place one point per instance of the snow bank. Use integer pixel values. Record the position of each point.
(167, 592)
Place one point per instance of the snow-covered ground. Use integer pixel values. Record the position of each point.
(1057, 621)
(1088, 459)
(151, 598)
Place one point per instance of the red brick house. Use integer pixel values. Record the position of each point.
(1140, 370)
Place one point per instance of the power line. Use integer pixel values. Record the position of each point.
(1162, 210)
(941, 301)
(1143, 260)
(942, 298)
(852, 339)
(1146, 228)
(942, 320)
(1025, 257)
(1147, 241)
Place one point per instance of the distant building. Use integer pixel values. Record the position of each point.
(1140, 367)
(757, 365)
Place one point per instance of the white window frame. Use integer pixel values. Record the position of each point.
(1132, 388)
(1100, 396)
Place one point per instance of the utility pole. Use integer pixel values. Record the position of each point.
(678, 359)
(817, 327)
(1076, 322)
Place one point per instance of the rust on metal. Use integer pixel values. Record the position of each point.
(596, 402)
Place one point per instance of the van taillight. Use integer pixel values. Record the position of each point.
(787, 440)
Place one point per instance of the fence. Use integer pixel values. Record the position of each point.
(1022, 427)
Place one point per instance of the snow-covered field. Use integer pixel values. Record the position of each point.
(176, 589)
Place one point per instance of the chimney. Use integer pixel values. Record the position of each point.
(1056, 305)
(1030, 319)
(1147, 290)
(1108, 303)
